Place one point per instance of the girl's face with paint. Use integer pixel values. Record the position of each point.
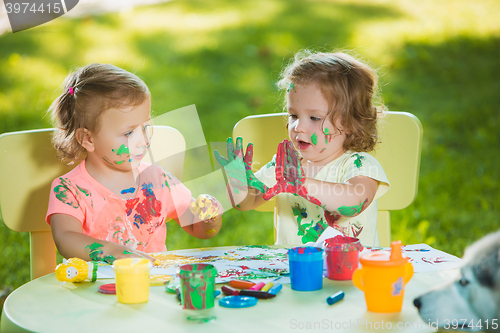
(310, 129)
(123, 137)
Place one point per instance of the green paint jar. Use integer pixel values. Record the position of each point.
(197, 290)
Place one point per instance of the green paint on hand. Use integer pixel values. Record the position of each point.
(351, 210)
(127, 252)
(314, 139)
(122, 150)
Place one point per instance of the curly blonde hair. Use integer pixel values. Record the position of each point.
(86, 93)
(348, 85)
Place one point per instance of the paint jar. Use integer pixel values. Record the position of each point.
(383, 277)
(342, 256)
(306, 268)
(197, 291)
(132, 280)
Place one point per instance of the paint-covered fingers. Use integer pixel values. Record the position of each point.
(251, 179)
(238, 149)
(230, 149)
(248, 156)
(206, 208)
(280, 161)
(273, 191)
(220, 159)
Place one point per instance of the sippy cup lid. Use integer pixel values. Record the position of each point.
(394, 257)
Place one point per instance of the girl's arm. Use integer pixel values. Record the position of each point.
(348, 199)
(71, 242)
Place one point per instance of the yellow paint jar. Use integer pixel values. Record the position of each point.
(132, 280)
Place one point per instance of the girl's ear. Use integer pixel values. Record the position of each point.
(84, 138)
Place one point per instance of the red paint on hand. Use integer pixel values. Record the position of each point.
(289, 174)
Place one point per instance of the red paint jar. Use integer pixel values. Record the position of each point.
(342, 257)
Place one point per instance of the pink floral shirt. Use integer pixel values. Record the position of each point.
(138, 222)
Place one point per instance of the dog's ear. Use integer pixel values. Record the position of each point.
(484, 259)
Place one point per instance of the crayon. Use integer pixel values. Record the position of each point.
(178, 294)
(256, 293)
(227, 290)
(338, 296)
(241, 284)
(267, 286)
(275, 289)
(258, 286)
(216, 293)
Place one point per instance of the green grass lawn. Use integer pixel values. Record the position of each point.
(437, 60)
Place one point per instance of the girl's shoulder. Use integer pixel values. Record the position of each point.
(360, 159)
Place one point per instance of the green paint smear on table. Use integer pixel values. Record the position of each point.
(314, 139)
(122, 150)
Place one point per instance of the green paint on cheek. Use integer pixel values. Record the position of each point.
(119, 162)
(314, 139)
(322, 150)
(290, 86)
(351, 210)
(327, 134)
(122, 150)
(107, 161)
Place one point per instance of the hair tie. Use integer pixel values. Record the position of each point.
(71, 91)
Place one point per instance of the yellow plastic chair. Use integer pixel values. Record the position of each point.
(28, 165)
(398, 153)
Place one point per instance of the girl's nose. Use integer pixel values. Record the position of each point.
(142, 138)
(298, 126)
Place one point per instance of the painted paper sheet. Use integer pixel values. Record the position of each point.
(265, 264)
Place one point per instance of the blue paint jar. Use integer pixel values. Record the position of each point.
(306, 268)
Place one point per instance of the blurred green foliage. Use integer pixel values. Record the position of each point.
(437, 60)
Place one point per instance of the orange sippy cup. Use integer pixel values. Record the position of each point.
(382, 277)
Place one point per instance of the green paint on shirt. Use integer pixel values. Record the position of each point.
(357, 162)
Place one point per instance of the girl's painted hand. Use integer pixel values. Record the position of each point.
(239, 167)
(206, 208)
(289, 174)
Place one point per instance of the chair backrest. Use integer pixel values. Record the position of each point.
(28, 165)
(398, 153)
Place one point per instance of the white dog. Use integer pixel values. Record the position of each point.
(473, 301)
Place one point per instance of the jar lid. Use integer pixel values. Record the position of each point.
(394, 257)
